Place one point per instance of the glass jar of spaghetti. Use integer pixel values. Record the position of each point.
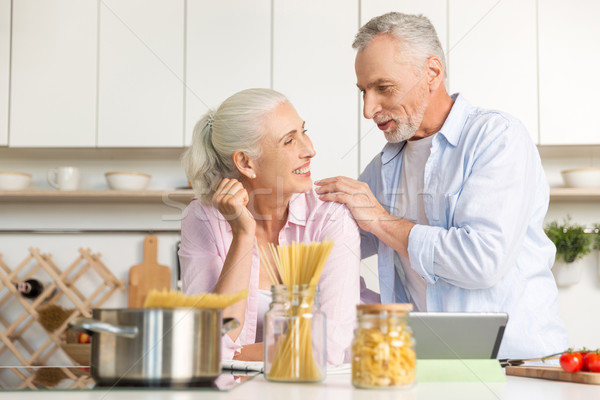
(383, 348)
(295, 335)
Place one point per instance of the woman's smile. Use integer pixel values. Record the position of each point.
(303, 171)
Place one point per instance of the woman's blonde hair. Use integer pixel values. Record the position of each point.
(238, 124)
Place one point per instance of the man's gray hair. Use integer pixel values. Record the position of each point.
(415, 34)
(238, 124)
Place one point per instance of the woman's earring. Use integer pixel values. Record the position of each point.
(253, 176)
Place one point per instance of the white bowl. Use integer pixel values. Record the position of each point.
(14, 180)
(127, 180)
(582, 177)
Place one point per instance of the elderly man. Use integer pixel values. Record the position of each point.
(454, 204)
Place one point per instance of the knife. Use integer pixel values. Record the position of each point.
(514, 362)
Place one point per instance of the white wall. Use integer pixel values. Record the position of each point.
(578, 303)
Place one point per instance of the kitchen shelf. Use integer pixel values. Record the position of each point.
(97, 196)
(562, 194)
(558, 194)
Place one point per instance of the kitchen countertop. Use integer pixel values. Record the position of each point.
(339, 387)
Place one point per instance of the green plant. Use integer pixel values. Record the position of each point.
(596, 240)
(570, 239)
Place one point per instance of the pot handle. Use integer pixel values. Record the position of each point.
(88, 325)
(229, 324)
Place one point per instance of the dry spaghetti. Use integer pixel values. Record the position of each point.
(299, 265)
(176, 299)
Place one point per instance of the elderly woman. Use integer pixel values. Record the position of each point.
(249, 164)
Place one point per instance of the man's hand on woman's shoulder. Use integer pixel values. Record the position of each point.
(357, 196)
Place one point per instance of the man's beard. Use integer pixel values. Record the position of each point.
(405, 129)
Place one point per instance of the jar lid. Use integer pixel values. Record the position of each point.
(398, 307)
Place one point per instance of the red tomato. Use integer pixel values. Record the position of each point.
(571, 362)
(583, 354)
(591, 362)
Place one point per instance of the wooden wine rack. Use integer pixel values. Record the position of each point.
(13, 336)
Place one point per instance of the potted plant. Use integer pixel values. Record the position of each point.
(572, 243)
(596, 244)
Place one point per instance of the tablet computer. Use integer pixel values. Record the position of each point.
(457, 335)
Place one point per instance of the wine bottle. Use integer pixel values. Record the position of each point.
(32, 288)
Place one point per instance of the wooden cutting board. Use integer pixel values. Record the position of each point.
(555, 374)
(148, 275)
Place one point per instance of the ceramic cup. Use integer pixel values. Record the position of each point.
(64, 178)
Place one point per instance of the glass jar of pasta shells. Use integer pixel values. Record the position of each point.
(383, 348)
(295, 335)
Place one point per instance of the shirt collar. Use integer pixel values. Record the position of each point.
(455, 122)
(297, 211)
(390, 151)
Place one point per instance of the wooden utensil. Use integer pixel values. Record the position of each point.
(555, 374)
(148, 275)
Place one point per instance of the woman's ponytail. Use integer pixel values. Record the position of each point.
(201, 161)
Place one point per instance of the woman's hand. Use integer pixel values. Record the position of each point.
(231, 199)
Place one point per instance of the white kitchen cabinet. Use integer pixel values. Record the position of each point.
(313, 65)
(568, 47)
(53, 73)
(228, 49)
(140, 82)
(372, 139)
(492, 56)
(5, 7)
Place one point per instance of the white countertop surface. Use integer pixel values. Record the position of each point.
(339, 387)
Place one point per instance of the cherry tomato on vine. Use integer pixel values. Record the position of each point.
(591, 362)
(571, 362)
(584, 367)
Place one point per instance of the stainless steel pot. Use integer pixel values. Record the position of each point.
(154, 346)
